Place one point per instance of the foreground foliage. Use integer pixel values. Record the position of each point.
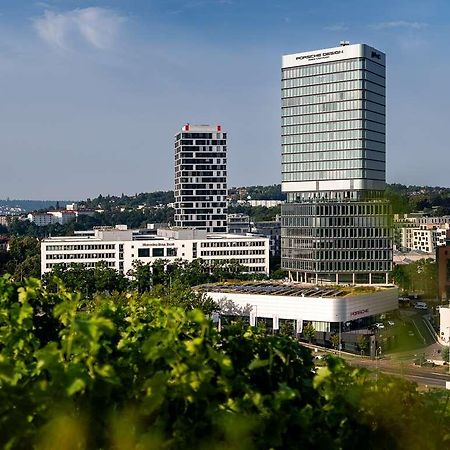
(128, 371)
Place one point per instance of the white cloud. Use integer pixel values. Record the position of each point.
(400, 24)
(98, 27)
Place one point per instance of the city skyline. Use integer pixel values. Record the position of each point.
(93, 91)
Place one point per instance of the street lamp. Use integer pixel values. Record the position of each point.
(377, 355)
(340, 339)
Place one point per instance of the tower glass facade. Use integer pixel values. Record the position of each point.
(336, 223)
(201, 178)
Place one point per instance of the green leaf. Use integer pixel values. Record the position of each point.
(77, 385)
(258, 363)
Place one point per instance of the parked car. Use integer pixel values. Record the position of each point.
(391, 323)
(421, 305)
(379, 325)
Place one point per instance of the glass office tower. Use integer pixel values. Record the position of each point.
(336, 223)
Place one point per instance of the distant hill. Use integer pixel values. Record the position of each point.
(31, 205)
(405, 199)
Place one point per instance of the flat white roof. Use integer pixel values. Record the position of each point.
(144, 237)
(333, 54)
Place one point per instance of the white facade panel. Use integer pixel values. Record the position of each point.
(310, 308)
(333, 54)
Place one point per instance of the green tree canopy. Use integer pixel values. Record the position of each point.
(127, 371)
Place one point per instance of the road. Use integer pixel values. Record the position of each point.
(416, 340)
(427, 376)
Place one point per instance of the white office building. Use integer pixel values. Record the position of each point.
(335, 223)
(201, 178)
(324, 307)
(119, 247)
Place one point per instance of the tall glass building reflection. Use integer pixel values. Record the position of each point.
(335, 224)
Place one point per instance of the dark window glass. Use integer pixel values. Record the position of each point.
(158, 252)
(144, 252)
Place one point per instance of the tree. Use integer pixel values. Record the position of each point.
(87, 281)
(287, 327)
(142, 276)
(309, 331)
(362, 344)
(23, 258)
(334, 339)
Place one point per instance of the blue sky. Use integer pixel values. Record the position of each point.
(93, 91)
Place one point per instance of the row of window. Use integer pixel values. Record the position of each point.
(255, 268)
(314, 198)
(157, 252)
(199, 160)
(333, 145)
(230, 252)
(334, 165)
(333, 78)
(80, 256)
(334, 267)
(333, 126)
(333, 87)
(331, 67)
(333, 136)
(344, 239)
(334, 97)
(325, 236)
(66, 247)
(331, 155)
(329, 237)
(332, 107)
(198, 173)
(201, 180)
(86, 264)
(232, 244)
(334, 116)
(360, 255)
(200, 142)
(334, 175)
(349, 210)
(197, 154)
(241, 260)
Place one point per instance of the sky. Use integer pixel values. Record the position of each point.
(93, 92)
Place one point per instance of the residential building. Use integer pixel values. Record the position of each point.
(424, 237)
(119, 247)
(201, 178)
(42, 219)
(417, 232)
(238, 223)
(336, 225)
